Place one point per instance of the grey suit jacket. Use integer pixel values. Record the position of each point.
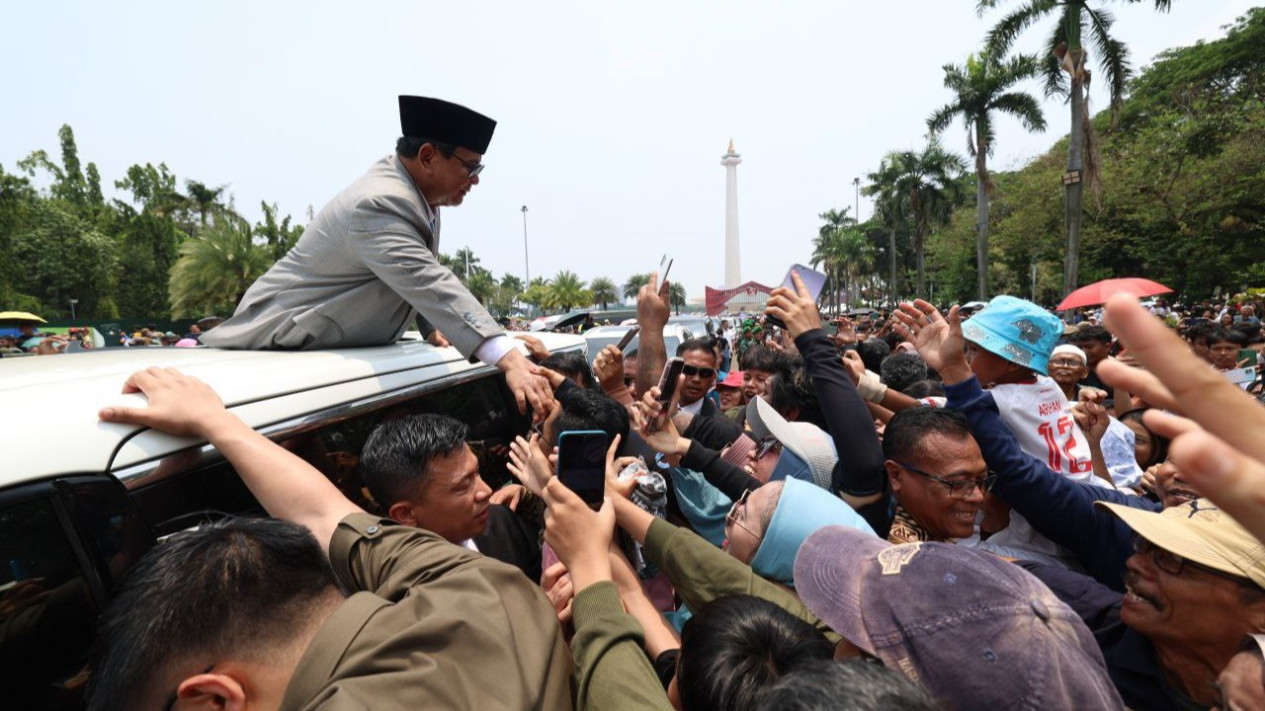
(357, 276)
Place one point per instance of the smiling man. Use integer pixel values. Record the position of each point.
(368, 264)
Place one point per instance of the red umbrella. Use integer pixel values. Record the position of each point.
(1100, 291)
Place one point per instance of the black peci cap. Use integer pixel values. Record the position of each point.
(424, 117)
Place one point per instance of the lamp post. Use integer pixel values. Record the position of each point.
(526, 263)
(856, 183)
(72, 308)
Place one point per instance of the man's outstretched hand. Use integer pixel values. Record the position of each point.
(938, 339)
(527, 383)
(178, 404)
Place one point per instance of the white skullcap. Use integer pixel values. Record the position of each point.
(1068, 349)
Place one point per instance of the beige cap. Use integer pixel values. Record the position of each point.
(1201, 533)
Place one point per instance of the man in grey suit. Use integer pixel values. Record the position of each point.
(368, 262)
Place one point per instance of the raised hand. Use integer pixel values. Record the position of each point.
(796, 308)
(529, 465)
(937, 339)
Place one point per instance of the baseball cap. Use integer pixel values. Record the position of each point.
(735, 379)
(974, 630)
(1017, 330)
(808, 453)
(1201, 533)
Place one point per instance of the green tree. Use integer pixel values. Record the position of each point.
(981, 87)
(634, 284)
(891, 208)
(676, 296)
(464, 263)
(17, 200)
(1066, 52)
(215, 269)
(566, 291)
(827, 251)
(205, 200)
(279, 237)
(537, 294)
(927, 181)
(482, 286)
(61, 257)
(604, 291)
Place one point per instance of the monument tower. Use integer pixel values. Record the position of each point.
(731, 160)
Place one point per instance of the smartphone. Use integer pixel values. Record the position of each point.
(667, 390)
(628, 337)
(813, 281)
(582, 464)
(1249, 355)
(665, 266)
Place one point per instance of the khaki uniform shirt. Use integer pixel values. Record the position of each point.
(430, 625)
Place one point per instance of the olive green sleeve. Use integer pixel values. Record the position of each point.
(611, 669)
(701, 572)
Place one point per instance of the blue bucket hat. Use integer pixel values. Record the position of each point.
(1017, 330)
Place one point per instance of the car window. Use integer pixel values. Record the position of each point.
(202, 492)
(47, 614)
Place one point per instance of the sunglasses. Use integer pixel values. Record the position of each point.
(690, 371)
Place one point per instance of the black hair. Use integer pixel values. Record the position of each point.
(1200, 330)
(591, 410)
(572, 364)
(791, 388)
(1221, 333)
(241, 588)
(902, 439)
(697, 344)
(395, 462)
(925, 388)
(1089, 333)
(757, 357)
(1159, 443)
(902, 370)
(873, 352)
(853, 685)
(735, 647)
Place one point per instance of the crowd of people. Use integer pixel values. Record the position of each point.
(932, 510)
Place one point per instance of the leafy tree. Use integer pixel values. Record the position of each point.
(205, 200)
(61, 257)
(634, 284)
(464, 262)
(1066, 52)
(17, 200)
(827, 251)
(537, 294)
(280, 237)
(567, 291)
(215, 269)
(482, 286)
(604, 291)
(982, 87)
(676, 296)
(892, 213)
(926, 180)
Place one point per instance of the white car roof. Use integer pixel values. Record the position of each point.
(49, 424)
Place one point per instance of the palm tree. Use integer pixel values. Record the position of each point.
(603, 291)
(826, 251)
(855, 254)
(481, 286)
(981, 87)
(928, 181)
(567, 291)
(215, 269)
(676, 296)
(204, 198)
(634, 284)
(464, 263)
(537, 293)
(1065, 52)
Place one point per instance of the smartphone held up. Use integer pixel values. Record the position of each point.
(582, 464)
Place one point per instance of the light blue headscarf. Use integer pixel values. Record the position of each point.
(703, 505)
(802, 509)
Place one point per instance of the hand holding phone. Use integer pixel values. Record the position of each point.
(667, 391)
(582, 464)
(628, 337)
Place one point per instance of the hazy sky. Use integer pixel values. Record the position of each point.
(612, 116)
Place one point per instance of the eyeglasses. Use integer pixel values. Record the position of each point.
(959, 489)
(691, 371)
(731, 518)
(1065, 363)
(1173, 564)
(472, 167)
